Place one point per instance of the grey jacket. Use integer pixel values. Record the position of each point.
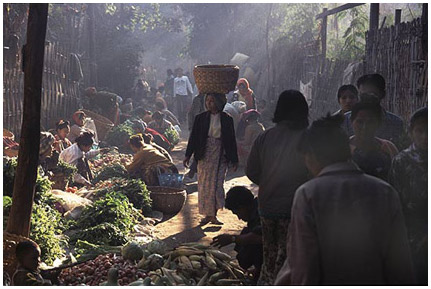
(276, 166)
(347, 228)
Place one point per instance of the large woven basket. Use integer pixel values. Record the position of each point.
(103, 125)
(216, 78)
(9, 244)
(167, 200)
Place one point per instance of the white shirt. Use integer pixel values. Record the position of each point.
(181, 84)
(215, 126)
(72, 154)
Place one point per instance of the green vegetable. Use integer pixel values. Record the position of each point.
(172, 136)
(114, 208)
(120, 134)
(86, 250)
(102, 234)
(134, 189)
(66, 169)
(114, 171)
(7, 204)
(132, 251)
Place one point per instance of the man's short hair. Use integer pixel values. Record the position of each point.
(421, 113)
(238, 197)
(374, 79)
(23, 248)
(326, 140)
(347, 87)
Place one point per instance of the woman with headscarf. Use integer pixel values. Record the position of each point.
(275, 165)
(149, 160)
(244, 93)
(253, 128)
(62, 142)
(77, 128)
(46, 159)
(78, 155)
(212, 142)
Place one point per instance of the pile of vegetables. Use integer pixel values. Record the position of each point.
(172, 135)
(114, 208)
(112, 171)
(134, 189)
(120, 134)
(95, 272)
(65, 169)
(192, 264)
(46, 222)
(108, 160)
(102, 234)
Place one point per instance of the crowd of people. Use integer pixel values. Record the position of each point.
(341, 201)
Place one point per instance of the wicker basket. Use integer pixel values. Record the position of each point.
(103, 125)
(167, 200)
(9, 244)
(216, 78)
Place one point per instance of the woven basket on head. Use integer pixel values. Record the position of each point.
(167, 200)
(103, 125)
(9, 244)
(216, 78)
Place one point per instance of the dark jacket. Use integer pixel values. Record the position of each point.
(198, 137)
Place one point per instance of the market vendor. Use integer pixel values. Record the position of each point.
(248, 244)
(47, 159)
(159, 122)
(78, 127)
(148, 161)
(62, 142)
(78, 155)
(141, 127)
(28, 273)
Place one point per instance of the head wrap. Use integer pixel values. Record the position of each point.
(46, 141)
(244, 81)
(220, 100)
(139, 125)
(76, 115)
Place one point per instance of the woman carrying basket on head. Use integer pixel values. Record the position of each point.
(212, 141)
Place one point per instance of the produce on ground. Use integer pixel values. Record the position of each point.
(120, 134)
(172, 135)
(85, 250)
(65, 169)
(114, 208)
(134, 189)
(102, 234)
(95, 272)
(108, 160)
(112, 171)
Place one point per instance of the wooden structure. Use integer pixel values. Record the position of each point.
(397, 53)
(60, 89)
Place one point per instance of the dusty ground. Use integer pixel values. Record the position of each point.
(184, 227)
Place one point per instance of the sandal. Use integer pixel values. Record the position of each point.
(205, 220)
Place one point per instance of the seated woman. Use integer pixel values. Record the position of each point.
(372, 154)
(78, 155)
(78, 127)
(252, 130)
(160, 106)
(62, 142)
(148, 161)
(47, 160)
(159, 123)
(141, 127)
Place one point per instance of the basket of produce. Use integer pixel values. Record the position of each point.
(103, 125)
(10, 241)
(167, 200)
(216, 78)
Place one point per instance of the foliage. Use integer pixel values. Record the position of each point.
(120, 134)
(86, 250)
(46, 226)
(114, 208)
(66, 169)
(102, 234)
(134, 189)
(7, 204)
(115, 170)
(172, 135)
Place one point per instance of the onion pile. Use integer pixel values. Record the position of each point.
(95, 271)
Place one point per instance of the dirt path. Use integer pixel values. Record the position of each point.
(184, 227)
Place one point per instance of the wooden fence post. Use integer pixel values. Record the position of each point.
(323, 36)
(374, 16)
(397, 16)
(28, 157)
